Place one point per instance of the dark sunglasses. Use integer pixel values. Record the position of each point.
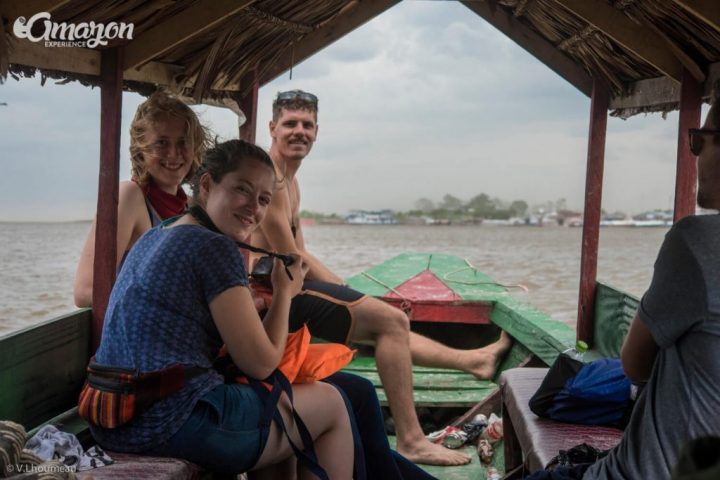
(291, 95)
(697, 138)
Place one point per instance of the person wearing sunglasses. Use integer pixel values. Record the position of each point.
(339, 314)
(674, 340)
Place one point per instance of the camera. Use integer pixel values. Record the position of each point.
(264, 266)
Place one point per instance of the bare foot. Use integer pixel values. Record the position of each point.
(482, 362)
(427, 453)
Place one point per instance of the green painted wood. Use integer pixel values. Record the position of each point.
(42, 368)
(368, 364)
(432, 387)
(614, 311)
(392, 273)
(443, 398)
(474, 470)
(537, 331)
(517, 354)
(465, 280)
(451, 380)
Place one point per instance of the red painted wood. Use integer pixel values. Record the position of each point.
(591, 218)
(686, 176)
(248, 105)
(424, 286)
(430, 300)
(106, 231)
(461, 311)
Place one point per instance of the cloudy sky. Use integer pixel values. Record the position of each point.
(426, 99)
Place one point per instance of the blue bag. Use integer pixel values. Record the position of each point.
(596, 393)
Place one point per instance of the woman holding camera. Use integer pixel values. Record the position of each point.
(181, 294)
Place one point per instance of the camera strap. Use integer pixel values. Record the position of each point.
(204, 219)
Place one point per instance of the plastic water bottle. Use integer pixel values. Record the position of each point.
(578, 352)
(494, 431)
(491, 473)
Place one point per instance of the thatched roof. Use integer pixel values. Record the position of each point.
(215, 49)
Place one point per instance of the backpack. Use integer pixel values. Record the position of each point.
(596, 393)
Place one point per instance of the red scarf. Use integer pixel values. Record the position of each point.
(165, 205)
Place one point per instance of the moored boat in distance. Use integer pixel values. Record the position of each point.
(371, 217)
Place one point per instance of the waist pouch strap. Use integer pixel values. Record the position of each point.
(307, 455)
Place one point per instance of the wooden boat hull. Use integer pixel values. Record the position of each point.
(42, 367)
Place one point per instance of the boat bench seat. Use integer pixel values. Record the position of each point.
(533, 441)
(140, 467)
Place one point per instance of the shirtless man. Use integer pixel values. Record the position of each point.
(337, 313)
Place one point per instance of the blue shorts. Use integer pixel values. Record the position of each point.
(223, 433)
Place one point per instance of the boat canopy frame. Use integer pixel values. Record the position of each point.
(628, 56)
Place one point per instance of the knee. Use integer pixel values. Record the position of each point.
(398, 322)
(332, 398)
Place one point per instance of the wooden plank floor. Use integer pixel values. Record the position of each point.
(433, 387)
(475, 470)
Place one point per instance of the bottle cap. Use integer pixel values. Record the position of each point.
(581, 346)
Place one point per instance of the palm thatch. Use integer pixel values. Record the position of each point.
(218, 57)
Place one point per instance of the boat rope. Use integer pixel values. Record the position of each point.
(472, 267)
(406, 306)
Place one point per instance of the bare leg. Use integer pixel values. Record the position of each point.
(323, 410)
(481, 362)
(388, 328)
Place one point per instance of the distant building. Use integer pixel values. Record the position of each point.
(371, 217)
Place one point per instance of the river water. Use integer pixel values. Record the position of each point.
(38, 260)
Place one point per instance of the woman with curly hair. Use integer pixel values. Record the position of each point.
(167, 145)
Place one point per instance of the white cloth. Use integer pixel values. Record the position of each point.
(50, 443)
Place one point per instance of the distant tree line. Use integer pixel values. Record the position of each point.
(478, 207)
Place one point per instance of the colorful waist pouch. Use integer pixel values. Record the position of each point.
(112, 396)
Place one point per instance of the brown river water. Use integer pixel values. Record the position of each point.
(38, 260)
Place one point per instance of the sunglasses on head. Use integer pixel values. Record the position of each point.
(291, 95)
(697, 138)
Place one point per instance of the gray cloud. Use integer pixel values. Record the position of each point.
(424, 100)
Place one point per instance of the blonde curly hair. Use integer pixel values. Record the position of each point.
(155, 109)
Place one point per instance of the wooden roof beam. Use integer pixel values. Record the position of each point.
(706, 10)
(354, 15)
(534, 43)
(86, 61)
(191, 22)
(657, 92)
(13, 9)
(639, 39)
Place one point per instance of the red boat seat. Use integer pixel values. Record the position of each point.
(140, 467)
(534, 441)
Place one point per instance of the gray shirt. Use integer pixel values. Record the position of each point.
(681, 309)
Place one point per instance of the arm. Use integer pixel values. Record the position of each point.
(132, 222)
(276, 231)
(317, 269)
(257, 347)
(638, 351)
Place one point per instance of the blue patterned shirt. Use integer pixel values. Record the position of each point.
(158, 316)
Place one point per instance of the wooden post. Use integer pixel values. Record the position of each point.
(591, 218)
(686, 176)
(248, 105)
(107, 205)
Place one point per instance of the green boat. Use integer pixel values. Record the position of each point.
(627, 57)
(449, 300)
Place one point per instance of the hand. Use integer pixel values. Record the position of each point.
(280, 280)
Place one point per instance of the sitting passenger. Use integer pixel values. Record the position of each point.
(181, 294)
(674, 339)
(167, 144)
